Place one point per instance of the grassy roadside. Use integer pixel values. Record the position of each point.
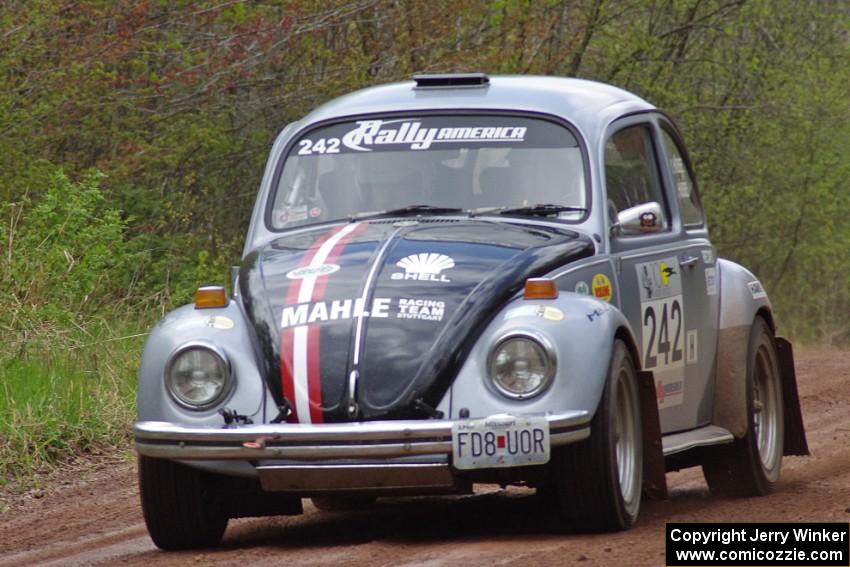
(60, 402)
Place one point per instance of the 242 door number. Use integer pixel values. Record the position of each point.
(662, 321)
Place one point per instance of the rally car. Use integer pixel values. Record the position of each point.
(462, 279)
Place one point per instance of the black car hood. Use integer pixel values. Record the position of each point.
(373, 319)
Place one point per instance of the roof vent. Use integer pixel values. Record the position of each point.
(451, 80)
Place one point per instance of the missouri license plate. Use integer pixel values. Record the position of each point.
(502, 441)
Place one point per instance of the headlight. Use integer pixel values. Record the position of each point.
(522, 365)
(198, 375)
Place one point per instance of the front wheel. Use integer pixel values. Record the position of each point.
(180, 506)
(599, 480)
(750, 466)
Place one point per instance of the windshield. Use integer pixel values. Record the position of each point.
(467, 163)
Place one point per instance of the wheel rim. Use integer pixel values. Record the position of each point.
(767, 412)
(627, 439)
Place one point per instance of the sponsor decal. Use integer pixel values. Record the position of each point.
(669, 393)
(756, 290)
(371, 133)
(220, 322)
(707, 256)
(424, 267)
(648, 220)
(582, 288)
(602, 288)
(548, 313)
(659, 279)
(711, 281)
(662, 312)
(300, 345)
(692, 347)
(338, 309)
(551, 313)
(597, 313)
(293, 214)
(421, 309)
(380, 308)
(312, 271)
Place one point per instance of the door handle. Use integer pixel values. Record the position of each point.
(687, 261)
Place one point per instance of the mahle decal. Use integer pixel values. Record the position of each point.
(321, 311)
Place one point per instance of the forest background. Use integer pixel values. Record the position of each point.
(133, 136)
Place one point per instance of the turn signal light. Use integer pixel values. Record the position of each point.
(210, 296)
(540, 288)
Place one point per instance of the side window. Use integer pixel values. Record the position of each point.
(689, 203)
(630, 172)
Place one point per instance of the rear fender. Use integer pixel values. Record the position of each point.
(742, 299)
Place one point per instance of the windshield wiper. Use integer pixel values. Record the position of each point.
(409, 209)
(542, 210)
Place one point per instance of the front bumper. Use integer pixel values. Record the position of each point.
(334, 456)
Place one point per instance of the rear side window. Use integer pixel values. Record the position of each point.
(683, 183)
(630, 173)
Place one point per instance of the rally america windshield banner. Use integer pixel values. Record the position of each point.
(434, 133)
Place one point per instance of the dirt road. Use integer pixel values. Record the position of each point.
(96, 519)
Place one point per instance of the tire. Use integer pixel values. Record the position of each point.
(181, 508)
(599, 480)
(750, 466)
(342, 503)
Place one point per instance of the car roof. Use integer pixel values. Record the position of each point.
(589, 105)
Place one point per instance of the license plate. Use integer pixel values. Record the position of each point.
(502, 441)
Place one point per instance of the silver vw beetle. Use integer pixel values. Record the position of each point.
(463, 279)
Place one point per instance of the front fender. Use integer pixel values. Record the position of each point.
(581, 330)
(227, 328)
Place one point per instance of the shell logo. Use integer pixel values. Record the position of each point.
(425, 266)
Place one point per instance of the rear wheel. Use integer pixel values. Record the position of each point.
(180, 506)
(599, 480)
(750, 466)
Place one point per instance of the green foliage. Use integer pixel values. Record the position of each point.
(57, 404)
(65, 257)
(178, 102)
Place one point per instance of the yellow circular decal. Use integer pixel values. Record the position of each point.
(602, 287)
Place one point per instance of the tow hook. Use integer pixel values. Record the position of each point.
(420, 405)
(232, 417)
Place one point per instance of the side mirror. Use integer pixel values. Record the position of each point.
(640, 219)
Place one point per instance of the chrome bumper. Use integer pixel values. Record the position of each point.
(321, 442)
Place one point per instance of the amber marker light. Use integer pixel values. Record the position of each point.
(540, 288)
(210, 296)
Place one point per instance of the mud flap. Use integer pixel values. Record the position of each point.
(654, 468)
(795, 434)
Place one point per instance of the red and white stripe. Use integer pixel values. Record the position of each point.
(300, 346)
